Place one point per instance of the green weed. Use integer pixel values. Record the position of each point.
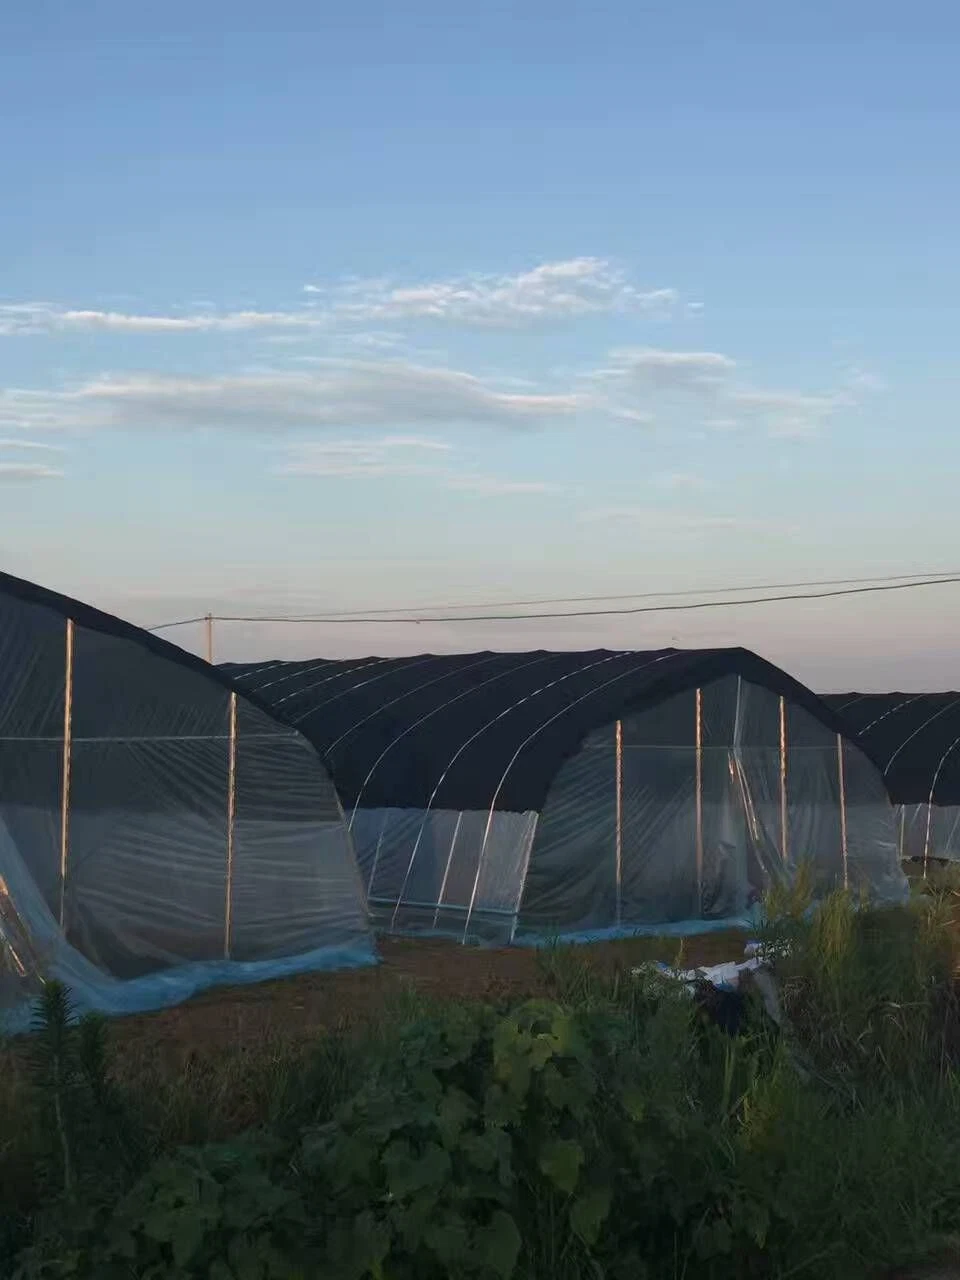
(605, 1131)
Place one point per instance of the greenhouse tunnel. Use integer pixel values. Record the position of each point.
(516, 797)
(915, 737)
(158, 831)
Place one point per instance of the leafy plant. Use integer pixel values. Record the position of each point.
(609, 1131)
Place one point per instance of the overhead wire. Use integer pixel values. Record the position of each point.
(351, 614)
(869, 586)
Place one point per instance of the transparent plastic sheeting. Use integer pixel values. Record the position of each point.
(929, 831)
(652, 826)
(200, 842)
(457, 874)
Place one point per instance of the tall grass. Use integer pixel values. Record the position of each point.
(605, 1130)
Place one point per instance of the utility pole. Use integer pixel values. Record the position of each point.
(208, 624)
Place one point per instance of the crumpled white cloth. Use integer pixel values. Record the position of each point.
(726, 977)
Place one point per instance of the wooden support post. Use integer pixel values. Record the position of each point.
(231, 824)
(67, 768)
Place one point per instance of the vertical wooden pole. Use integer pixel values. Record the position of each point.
(784, 815)
(67, 767)
(843, 812)
(699, 802)
(926, 837)
(619, 811)
(231, 823)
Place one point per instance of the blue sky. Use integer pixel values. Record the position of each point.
(310, 307)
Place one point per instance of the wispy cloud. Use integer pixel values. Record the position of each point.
(637, 379)
(495, 486)
(364, 459)
(680, 480)
(787, 414)
(26, 472)
(398, 457)
(552, 291)
(43, 317)
(32, 446)
(652, 368)
(657, 520)
(336, 393)
(860, 379)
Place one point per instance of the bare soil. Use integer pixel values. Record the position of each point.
(296, 1008)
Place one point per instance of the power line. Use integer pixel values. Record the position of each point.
(354, 615)
(629, 595)
(180, 622)
(880, 585)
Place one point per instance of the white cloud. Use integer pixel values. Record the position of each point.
(859, 379)
(679, 480)
(551, 291)
(624, 414)
(21, 472)
(635, 377)
(654, 369)
(43, 317)
(653, 520)
(364, 459)
(788, 414)
(337, 393)
(495, 486)
(31, 445)
(398, 457)
(752, 399)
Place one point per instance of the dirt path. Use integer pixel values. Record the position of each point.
(295, 1008)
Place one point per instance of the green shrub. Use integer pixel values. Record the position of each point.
(607, 1132)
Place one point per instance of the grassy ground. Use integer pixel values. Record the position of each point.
(425, 1119)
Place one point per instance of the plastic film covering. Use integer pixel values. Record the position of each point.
(666, 784)
(692, 809)
(157, 833)
(457, 874)
(929, 832)
(916, 737)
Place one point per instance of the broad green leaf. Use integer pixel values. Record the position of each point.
(634, 1102)
(499, 1243)
(409, 1171)
(449, 1240)
(564, 1092)
(502, 1107)
(481, 1150)
(589, 1212)
(453, 1113)
(560, 1161)
(186, 1238)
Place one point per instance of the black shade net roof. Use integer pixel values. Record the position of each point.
(86, 616)
(480, 730)
(914, 737)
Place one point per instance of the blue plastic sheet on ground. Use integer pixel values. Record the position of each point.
(169, 987)
(747, 922)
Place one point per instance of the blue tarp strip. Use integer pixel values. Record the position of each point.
(171, 987)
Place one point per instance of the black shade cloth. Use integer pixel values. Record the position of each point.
(91, 619)
(481, 730)
(913, 737)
